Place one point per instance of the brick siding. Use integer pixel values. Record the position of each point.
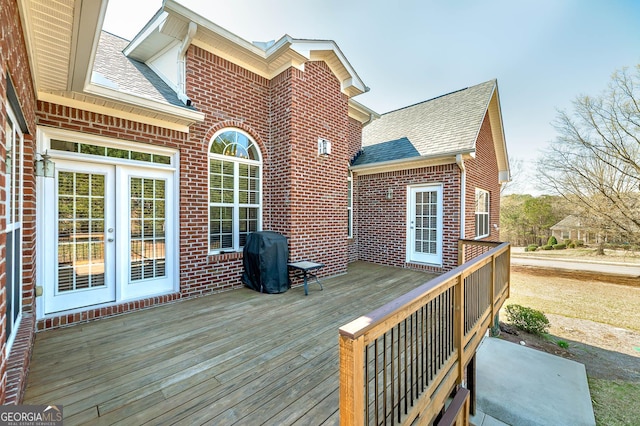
(482, 173)
(14, 64)
(382, 223)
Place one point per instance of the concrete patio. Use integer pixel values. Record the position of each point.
(521, 386)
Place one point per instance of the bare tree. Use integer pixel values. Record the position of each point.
(595, 161)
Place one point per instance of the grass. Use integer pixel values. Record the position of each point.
(606, 303)
(615, 403)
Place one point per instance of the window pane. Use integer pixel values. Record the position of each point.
(234, 192)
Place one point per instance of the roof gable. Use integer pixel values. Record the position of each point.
(171, 23)
(114, 70)
(440, 127)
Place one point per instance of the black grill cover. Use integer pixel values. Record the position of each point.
(265, 257)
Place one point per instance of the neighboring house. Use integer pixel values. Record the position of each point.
(171, 148)
(572, 228)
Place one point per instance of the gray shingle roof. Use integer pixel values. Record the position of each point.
(571, 221)
(114, 70)
(443, 125)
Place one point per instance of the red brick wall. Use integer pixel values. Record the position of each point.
(482, 173)
(304, 195)
(277, 173)
(319, 183)
(382, 223)
(15, 63)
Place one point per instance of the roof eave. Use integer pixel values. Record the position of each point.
(411, 163)
(494, 109)
(362, 113)
(145, 103)
(72, 60)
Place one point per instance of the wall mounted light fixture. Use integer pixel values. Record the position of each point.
(324, 147)
(389, 194)
(44, 166)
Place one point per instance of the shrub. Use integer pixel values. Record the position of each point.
(527, 319)
(559, 246)
(579, 243)
(572, 245)
(547, 247)
(552, 241)
(532, 247)
(567, 242)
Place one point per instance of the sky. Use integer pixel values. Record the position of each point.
(544, 53)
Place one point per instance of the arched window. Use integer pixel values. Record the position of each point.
(235, 201)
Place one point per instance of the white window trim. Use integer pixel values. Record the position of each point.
(478, 213)
(236, 180)
(12, 224)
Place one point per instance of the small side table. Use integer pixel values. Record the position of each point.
(308, 269)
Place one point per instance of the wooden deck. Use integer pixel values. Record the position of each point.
(238, 357)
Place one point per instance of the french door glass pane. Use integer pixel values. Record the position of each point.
(80, 231)
(426, 222)
(147, 227)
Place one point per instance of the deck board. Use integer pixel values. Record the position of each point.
(229, 358)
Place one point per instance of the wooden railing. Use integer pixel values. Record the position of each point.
(403, 360)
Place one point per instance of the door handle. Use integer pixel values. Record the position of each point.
(110, 240)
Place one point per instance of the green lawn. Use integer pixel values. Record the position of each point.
(615, 402)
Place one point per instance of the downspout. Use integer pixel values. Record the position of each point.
(463, 193)
(182, 63)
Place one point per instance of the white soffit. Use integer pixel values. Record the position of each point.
(48, 28)
(61, 38)
(497, 131)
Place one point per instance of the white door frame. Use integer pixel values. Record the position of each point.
(413, 255)
(44, 194)
(55, 301)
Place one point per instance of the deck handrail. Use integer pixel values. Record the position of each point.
(403, 359)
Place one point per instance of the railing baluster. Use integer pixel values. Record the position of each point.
(411, 346)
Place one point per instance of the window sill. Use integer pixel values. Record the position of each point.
(222, 256)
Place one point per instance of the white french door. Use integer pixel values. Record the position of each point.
(112, 235)
(424, 227)
(82, 225)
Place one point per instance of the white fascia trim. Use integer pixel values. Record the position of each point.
(153, 25)
(406, 164)
(98, 109)
(177, 8)
(363, 114)
(138, 101)
(305, 47)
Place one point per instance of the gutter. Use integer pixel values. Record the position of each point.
(182, 63)
(463, 194)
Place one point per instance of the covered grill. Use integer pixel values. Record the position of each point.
(265, 257)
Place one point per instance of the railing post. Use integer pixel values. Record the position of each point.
(493, 297)
(351, 380)
(460, 252)
(458, 330)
